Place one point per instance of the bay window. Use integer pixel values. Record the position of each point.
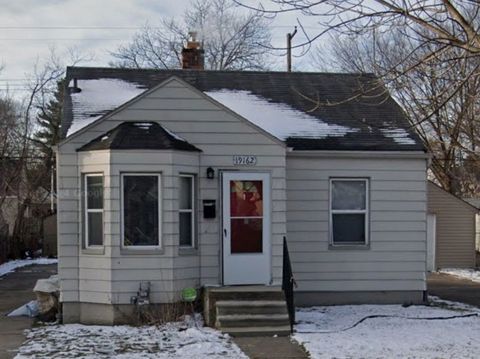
(93, 215)
(186, 211)
(141, 210)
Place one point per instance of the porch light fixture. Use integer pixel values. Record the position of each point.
(210, 173)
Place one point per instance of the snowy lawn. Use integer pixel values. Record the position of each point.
(471, 274)
(339, 332)
(173, 340)
(12, 265)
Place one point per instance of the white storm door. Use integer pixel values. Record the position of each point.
(246, 228)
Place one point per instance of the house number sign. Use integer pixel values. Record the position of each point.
(244, 160)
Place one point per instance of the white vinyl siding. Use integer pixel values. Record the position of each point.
(395, 258)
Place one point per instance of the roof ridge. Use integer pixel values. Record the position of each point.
(149, 70)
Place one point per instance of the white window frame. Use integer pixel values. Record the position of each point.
(122, 209)
(365, 211)
(93, 210)
(192, 211)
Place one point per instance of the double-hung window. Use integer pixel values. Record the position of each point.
(141, 210)
(93, 204)
(349, 217)
(186, 211)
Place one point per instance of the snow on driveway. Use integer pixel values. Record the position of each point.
(173, 340)
(471, 274)
(12, 265)
(330, 332)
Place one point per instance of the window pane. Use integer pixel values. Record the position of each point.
(246, 198)
(185, 192)
(94, 192)
(349, 195)
(348, 228)
(186, 229)
(95, 229)
(246, 236)
(140, 208)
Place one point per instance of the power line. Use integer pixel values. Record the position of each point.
(60, 39)
(74, 27)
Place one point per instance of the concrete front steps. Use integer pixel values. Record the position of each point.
(248, 310)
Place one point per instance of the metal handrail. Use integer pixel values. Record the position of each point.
(288, 284)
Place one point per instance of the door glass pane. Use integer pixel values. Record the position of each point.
(246, 236)
(185, 192)
(186, 229)
(95, 229)
(348, 228)
(349, 195)
(140, 203)
(246, 198)
(94, 192)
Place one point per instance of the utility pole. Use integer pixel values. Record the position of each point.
(289, 49)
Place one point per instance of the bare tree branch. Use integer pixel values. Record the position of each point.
(232, 39)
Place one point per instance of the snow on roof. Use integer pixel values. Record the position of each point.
(174, 135)
(399, 135)
(143, 125)
(278, 119)
(97, 97)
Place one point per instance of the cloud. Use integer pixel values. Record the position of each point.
(22, 47)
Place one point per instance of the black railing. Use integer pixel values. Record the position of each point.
(288, 283)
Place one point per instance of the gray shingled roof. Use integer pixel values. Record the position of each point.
(335, 99)
(137, 136)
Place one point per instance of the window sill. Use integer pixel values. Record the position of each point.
(142, 251)
(349, 247)
(187, 251)
(98, 251)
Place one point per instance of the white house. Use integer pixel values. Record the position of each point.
(191, 178)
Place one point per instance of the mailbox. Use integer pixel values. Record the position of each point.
(209, 210)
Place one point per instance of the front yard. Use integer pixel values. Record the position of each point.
(442, 330)
(174, 340)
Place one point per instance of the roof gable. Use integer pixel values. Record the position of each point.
(92, 117)
(325, 111)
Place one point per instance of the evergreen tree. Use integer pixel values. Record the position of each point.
(49, 120)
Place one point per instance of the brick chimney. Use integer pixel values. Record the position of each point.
(193, 54)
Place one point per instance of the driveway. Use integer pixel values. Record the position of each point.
(453, 288)
(15, 290)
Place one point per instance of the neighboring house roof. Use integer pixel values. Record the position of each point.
(465, 202)
(309, 111)
(475, 202)
(139, 135)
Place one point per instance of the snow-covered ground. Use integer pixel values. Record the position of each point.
(173, 340)
(470, 274)
(12, 265)
(335, 332)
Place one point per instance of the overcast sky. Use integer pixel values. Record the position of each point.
(29, 28)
